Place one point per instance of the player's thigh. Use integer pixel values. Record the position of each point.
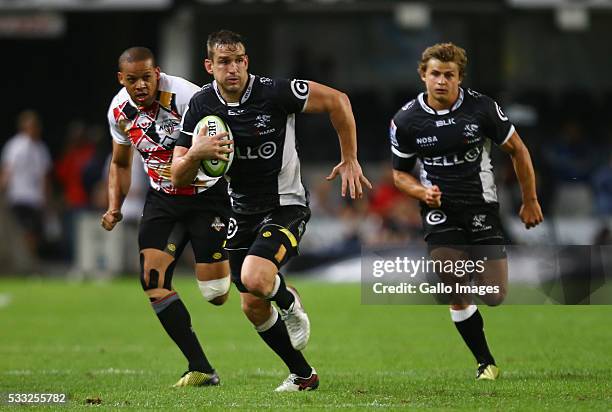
(492, 273)
(207, 231)
(241, 233)
(161, 240)
(449, 252)
(279, 234)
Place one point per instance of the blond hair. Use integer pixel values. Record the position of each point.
(445, 52)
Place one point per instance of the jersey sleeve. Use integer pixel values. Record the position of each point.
(496, 125)
(190, 119)
(291, 95)
(184, 94)
(402, 152)
(114, 128)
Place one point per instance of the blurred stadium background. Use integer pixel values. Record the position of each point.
(546, 61)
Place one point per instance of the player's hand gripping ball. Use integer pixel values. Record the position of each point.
(215, 167)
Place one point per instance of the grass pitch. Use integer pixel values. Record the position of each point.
(101, 343)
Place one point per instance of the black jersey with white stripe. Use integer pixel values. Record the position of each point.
(265, 172)
(453, 146)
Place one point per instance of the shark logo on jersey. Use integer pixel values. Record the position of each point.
(471, 133)
(262, 121)
(478, 223)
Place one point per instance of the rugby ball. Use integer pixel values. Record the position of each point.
(216, 167)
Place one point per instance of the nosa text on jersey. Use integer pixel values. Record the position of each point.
(455, 159)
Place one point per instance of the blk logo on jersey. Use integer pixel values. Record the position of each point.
(235, 112)
(445, 122)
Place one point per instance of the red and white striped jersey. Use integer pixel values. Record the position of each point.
(153, 131)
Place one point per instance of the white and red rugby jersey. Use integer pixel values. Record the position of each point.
(153, 131)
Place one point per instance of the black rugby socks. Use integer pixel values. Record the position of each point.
(175, 319)
(280, 294)
(274, 333)
(470, 325)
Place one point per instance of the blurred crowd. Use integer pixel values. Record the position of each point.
(42, 195)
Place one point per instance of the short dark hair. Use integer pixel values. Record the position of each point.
(136, 54)
(445, 52)
(222, 38)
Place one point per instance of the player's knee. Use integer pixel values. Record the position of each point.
(256, 282)
(155, 278)
(496, 299)
(258, 274)
(215, 291)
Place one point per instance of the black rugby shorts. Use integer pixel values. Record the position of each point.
(169, 222)
(273, 235)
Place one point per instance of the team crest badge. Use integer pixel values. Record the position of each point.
(479, 220)
(217, 224)
(169, 125)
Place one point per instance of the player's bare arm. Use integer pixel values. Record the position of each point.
(119, 179)
(186, 161)
(408, 184)
(531, 212)
(323, 99)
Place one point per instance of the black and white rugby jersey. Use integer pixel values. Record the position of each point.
(453, 146)
(153, 131)
(265, 172)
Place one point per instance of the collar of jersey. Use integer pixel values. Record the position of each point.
(431, 110)
(245, 95)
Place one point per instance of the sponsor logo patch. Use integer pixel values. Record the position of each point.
(435, 217)
(217, 224)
